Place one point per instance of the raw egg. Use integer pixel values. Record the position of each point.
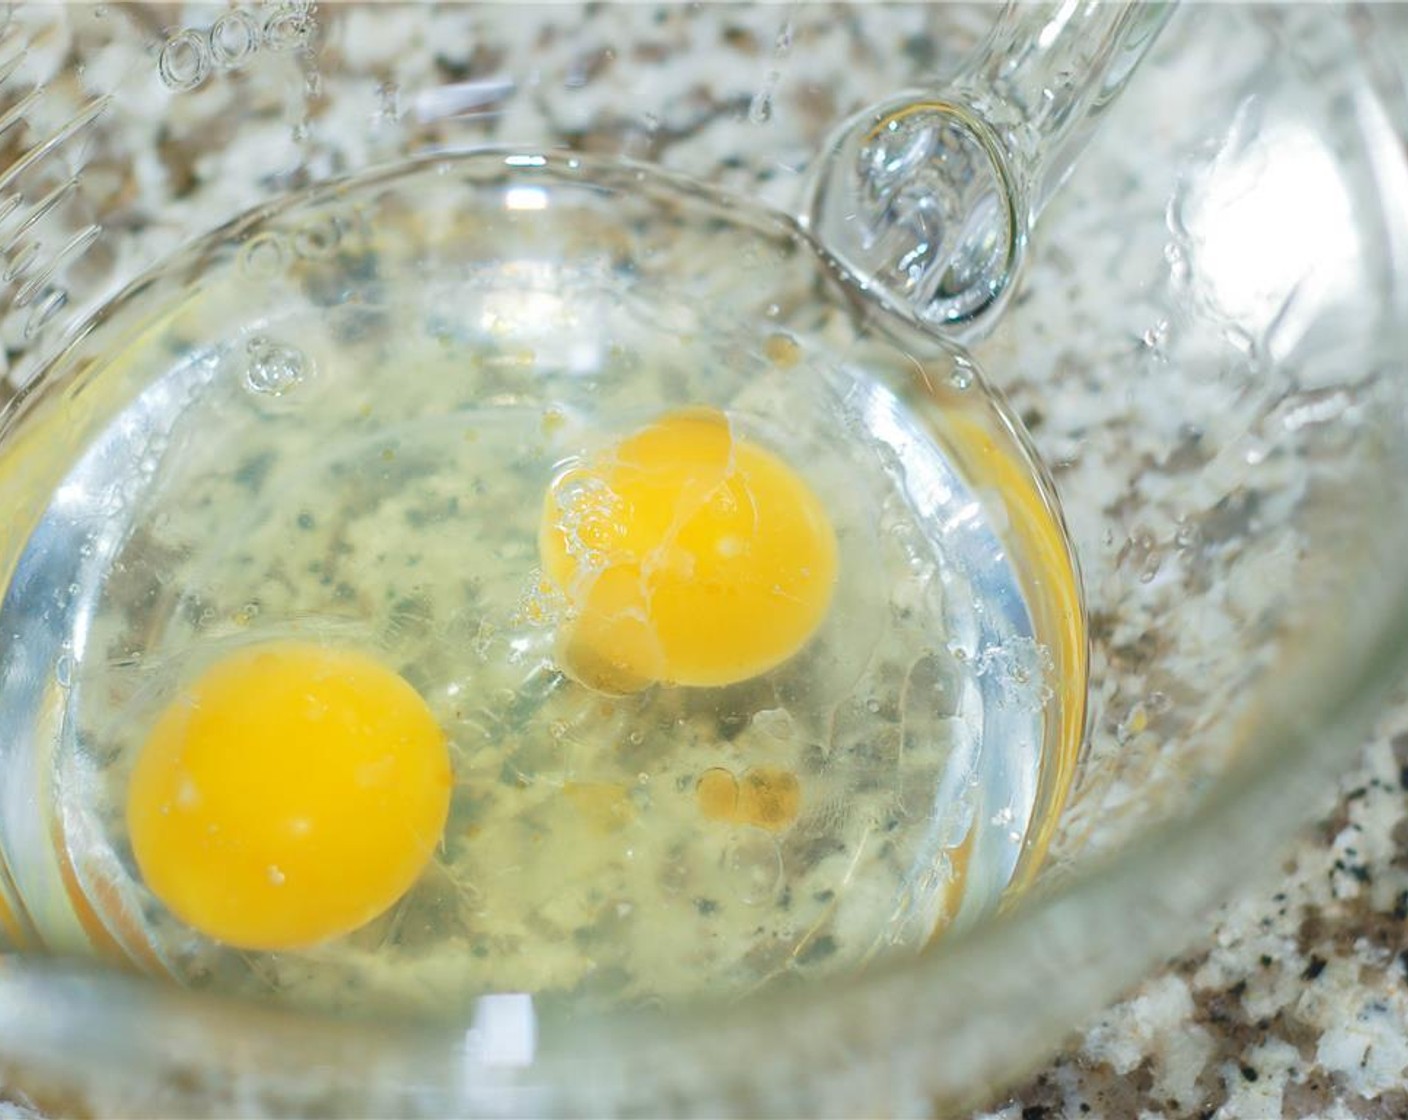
(686, 555)
(292, 793)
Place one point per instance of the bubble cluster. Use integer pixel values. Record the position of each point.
(273, 368)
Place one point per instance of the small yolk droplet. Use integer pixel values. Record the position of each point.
(717, 794)
(765, 796)
(686, 556)
(290, 794)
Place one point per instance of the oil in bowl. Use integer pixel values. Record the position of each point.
(511, 574)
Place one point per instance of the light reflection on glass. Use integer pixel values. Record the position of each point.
(504, 1033)
(527, 307)
(525, 198)
(1274, 239)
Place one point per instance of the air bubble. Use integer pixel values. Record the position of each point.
(183, 63)
(274, 368)
(288, 27)
(589, 518)
(961, 378)
(63, 671)
(1155, 336)
(1144, 554)
(233, 38)
(542, 604)
(1019, 670)
(319, 239)
(776, 723)
(262, 258)
(276, 876)
(760, 108)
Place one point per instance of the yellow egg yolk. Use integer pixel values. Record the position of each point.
(686, 556)
(766, 796)
(290, 794)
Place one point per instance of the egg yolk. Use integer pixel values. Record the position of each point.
(292, 793)
(765, 797)
(686, 556)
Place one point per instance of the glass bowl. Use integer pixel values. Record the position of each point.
(1206, 352)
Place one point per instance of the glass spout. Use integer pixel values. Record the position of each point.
(927, 199)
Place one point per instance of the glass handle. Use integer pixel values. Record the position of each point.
(926, 200)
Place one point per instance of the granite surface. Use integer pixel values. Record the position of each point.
(1294, 1002)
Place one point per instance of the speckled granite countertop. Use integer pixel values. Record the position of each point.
(1295, 1002)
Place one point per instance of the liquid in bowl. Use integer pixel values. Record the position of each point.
(357, 453)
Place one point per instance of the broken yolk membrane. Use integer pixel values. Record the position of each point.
(686, 556)
(289, 795)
